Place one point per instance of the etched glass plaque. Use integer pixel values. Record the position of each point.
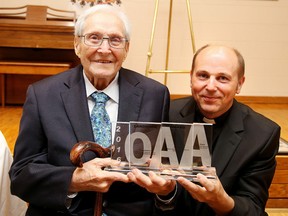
(169, 149)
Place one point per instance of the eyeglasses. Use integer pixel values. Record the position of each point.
(95, 40)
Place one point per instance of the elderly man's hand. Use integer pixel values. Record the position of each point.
(92, 177)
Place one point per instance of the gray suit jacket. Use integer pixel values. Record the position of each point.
(244, 157)
(55, 117)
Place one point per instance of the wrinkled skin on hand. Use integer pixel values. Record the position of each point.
(90, 176)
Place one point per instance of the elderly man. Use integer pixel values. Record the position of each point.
(56, 115)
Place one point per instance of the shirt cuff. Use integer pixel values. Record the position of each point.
(166, 202)
(72, 195)
(69, 198)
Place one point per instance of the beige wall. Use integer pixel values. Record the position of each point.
(257, 28)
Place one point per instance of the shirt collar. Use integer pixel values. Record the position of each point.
(199, 117)
(112, 90)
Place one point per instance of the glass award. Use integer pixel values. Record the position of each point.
(168, 149)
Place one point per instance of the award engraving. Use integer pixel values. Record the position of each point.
(168, 149)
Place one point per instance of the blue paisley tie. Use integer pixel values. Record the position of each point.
(100, 120)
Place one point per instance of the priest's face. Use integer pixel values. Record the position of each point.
(215, 80)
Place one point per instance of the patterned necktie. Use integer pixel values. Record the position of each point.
(100, 120)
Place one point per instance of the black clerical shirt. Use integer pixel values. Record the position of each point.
(217, 126)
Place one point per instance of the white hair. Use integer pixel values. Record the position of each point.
(79, 25)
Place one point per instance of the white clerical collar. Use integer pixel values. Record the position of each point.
(206, 120)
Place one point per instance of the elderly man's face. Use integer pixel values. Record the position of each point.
(215, 81)
(103, 62)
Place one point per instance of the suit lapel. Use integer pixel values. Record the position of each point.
(187, 113)
(228, 140)
(130, 97)
(75, 103)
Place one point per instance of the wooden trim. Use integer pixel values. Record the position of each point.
(282, 162)
(263, 99)
(33, 68)
(28, 68)
(176, 96)
(277, 203)
(250, 99)
(278, 191)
